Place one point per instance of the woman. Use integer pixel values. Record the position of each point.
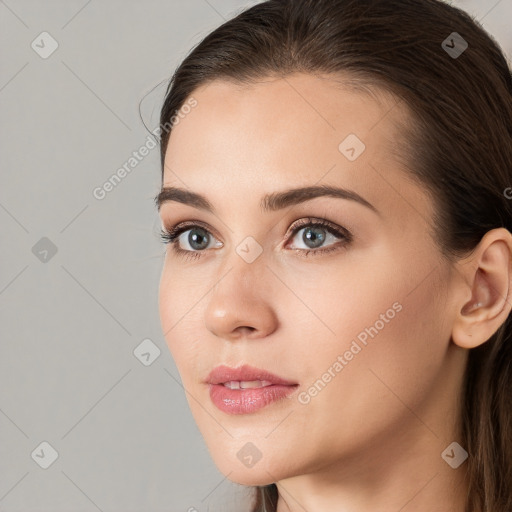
(337, 287)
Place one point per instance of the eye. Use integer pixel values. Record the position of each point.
(318, 232)
(194, 235)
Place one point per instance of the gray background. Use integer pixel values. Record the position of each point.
(70, 321)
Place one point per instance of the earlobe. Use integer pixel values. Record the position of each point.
(488, 274)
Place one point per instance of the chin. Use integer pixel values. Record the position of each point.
(245, 468)
(249, 477)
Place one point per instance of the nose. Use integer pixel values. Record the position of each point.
(239, 305)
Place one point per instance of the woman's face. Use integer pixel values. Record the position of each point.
(361, 324)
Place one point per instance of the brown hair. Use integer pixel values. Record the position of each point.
(459, 146)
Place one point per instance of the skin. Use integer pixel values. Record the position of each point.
(372, 438)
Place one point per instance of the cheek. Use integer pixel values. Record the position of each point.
(388, 351)
(178, 310)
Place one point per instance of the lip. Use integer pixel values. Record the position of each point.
(222, 374)
(246, 401)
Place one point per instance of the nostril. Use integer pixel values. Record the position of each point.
(246, 329)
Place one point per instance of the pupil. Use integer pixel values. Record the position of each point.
(310, 236)
(201, 239)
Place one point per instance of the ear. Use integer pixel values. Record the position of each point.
(486, 290)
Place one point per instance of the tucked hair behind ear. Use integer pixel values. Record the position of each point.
(458, 146)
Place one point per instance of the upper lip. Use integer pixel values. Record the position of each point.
(222, 374)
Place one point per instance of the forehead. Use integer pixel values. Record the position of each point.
(268, 135)
(294, 121)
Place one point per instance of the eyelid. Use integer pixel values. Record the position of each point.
(337, 230)
(296, 226)
(177, 229)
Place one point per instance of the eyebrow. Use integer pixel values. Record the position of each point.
(270, 202)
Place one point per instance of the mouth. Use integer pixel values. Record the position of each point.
(246, 389)
(247, 384)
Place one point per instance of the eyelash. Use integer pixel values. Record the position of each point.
(171, 236)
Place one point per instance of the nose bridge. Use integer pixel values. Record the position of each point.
(240, 298)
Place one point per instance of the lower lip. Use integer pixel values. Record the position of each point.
(246, 401)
